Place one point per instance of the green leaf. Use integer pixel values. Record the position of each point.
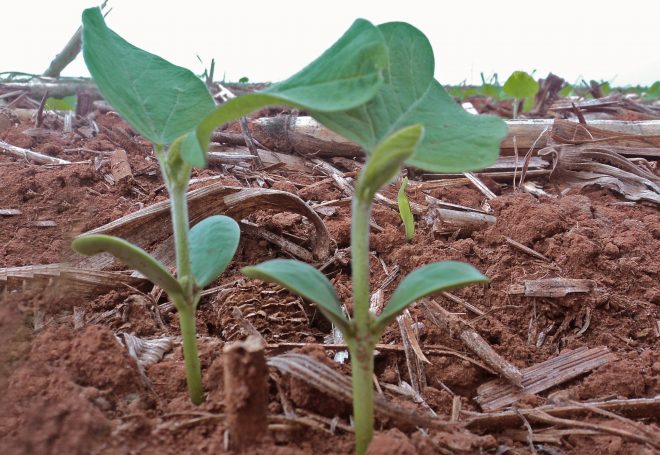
(346, 75)
(304, 280)
(67, 103)
(528, 104)
(386, 161)
(653, 91)
(454, 141)
(520, 85)
(160, 100)
(566, 90)
(427, 280)
(131, 255)
(404, 210)
(490, 90)
(213, 242)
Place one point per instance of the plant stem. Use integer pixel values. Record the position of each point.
(515, 108)
(190, 356)
(363, 345)
(179, 212)
(177, 183)
(362, 366)
(360, 261)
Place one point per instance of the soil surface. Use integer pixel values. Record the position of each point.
(68, 386)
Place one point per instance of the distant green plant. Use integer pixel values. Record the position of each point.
(566, 90)
(404, 210)
(491, 87)
(244, 80)
(653, 92)
(67, 103)
(411, 120)
(521, 86)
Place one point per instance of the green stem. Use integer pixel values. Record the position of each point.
(179, 212)
(190, 356)
(515, 108)
(176, 181)
(360, 261)
(362, 366)
(363, 345)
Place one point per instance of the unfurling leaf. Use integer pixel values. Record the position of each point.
(427, 280)
(304, 280)
(386, 161)
(213, 242)
(404, 210)
(160, 100)
(132, 256)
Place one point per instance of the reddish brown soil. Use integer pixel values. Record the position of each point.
(68, 390)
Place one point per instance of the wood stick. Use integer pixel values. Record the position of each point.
(473, 341)
(527, 250)
(119, 166)
(306, 135)
(552, 287)
(30, 155)
(537, 378)
(68, 53)
(246, 392)
(632, 408)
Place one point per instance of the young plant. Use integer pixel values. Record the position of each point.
(162, 102)
(404, 210)
(521, 86)
(172, 108)
(490, 88)
(411, 120)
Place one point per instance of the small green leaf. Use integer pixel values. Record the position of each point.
(566, 90)
(653, 91)
(385, 163)
(160, 100)
(213, 242)
(490, 90)
(520, 85)
(427, 280)
(304, 280)
(404, 210)
(131, 255)
(67, 103)
(346, 75)
(528, 104)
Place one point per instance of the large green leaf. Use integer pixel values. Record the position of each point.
(304, 280)
(387, 160)
(213, 242)
(454, 140)
(346, 75)
(520, 85)
(131, 255)
(160, 100)
(427, 280)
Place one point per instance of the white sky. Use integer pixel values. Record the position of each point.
(270, 40)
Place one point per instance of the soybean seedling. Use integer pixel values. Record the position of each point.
(411, 120)
(172, 108)
(404, 210)
(521, 85)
